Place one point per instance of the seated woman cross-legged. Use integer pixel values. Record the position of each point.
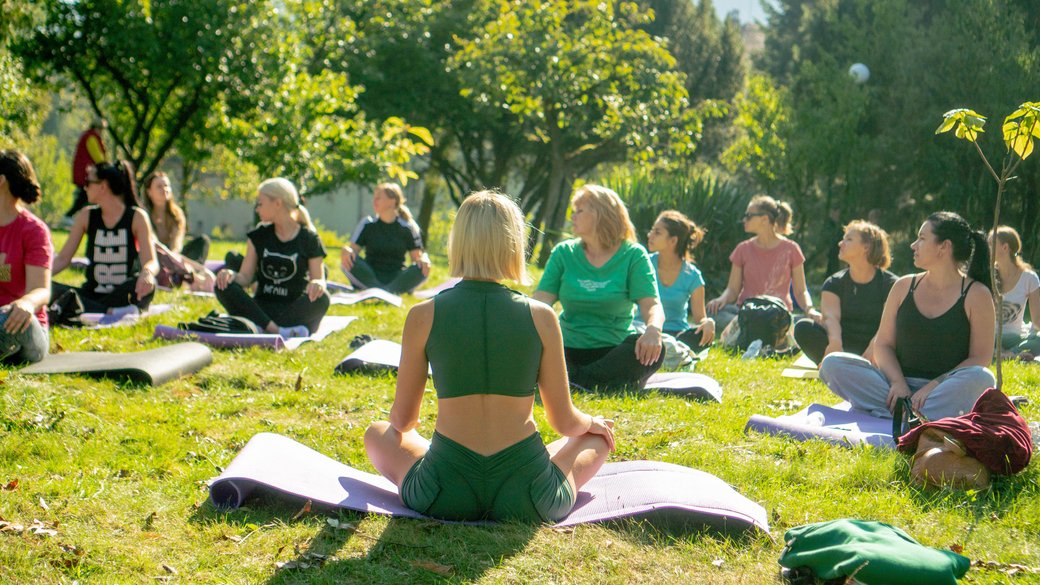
(119, 238)
(600, 277)
(935, 340)
(25, 271)
(386, 237)
(853, 298)
(284, 256)
(489, 348)
(1021, 288)
(680, 284)
(766, 264)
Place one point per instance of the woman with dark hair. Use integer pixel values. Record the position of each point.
(119, 237)
(852, 299)
(25, 264)
(601, 277)
(935, 339)
(387, 237)
(767, 264)
(671, 243)
(168, 220)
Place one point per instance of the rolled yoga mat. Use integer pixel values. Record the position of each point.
(382, 355)
(840, 424)
(154, 366)
(661, 493)
(328, 326)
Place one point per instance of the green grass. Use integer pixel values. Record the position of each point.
(120, 472)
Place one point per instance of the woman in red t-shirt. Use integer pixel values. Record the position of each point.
(25, 264)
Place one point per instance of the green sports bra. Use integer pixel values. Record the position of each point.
(483, 341)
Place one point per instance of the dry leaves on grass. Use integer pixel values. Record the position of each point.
(1010, 569)
(38, 527)
(304, 561)
(11, 485)
(71, 558)
(434, 567)
(306, 509)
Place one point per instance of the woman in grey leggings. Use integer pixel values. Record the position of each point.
(935, 340)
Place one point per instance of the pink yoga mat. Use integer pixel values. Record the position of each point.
(651, 490)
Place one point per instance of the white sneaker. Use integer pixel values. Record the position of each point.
(295, 331)
(122, 312)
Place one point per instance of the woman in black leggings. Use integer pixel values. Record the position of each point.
(284, 258)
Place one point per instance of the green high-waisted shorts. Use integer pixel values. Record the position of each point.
(519, 482)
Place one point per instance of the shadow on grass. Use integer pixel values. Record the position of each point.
(407, 551)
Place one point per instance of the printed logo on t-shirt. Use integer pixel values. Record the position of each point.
(1009, 311)
(5, 268)
(592, 285)
(277, 268)
(111, 251)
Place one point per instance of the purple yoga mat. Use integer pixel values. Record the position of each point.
(649, 490)
(840, 424)
(328, 326)
(103, 320)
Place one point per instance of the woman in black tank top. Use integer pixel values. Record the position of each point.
(935, 340)
(120, 248)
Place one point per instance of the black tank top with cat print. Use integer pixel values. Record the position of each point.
(281, 269)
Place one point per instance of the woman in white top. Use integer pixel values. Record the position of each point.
(1020, 287)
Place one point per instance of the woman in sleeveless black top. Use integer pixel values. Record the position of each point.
(935, 340)
(120, 245)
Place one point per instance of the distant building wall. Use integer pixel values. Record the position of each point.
(338, 210)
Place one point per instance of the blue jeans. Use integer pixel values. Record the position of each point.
(27, 347)
(857, 380)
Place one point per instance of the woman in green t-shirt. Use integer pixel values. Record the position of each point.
(599, 278)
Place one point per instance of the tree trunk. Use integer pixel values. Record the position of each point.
(429, 198)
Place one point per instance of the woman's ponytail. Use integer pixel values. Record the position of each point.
(978, 265)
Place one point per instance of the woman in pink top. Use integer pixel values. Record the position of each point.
(766, 264)
(25, 264)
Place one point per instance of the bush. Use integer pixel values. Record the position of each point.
(714, 204)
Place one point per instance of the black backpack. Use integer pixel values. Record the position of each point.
(764, 317)
(217, 323)
(66, 309)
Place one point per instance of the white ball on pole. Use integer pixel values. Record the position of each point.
(859, 73)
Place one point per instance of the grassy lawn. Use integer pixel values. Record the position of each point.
(119, 473)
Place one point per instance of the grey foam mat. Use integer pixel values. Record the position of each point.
(658, 492)
(153, 366)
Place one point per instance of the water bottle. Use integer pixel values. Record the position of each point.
(753, 350)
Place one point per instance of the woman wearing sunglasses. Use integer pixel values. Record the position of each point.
(119, 238)
(766, 264)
